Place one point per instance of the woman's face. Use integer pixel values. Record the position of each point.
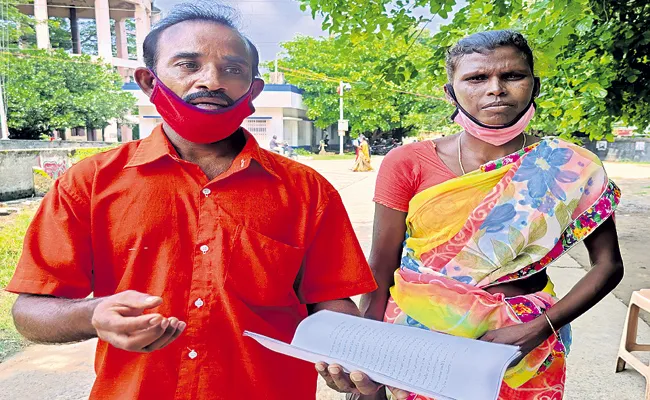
(493, 87)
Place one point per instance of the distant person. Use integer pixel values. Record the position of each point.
(326, 140)
(274, 145)
(190, 237)
(362, 162)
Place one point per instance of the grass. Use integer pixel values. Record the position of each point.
(12, 231)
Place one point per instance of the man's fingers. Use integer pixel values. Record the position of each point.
(174, 330)
(341, 379)
(399, 394)
(130, 325)
(322, 371)
(363, 383)
(139, 340)
(136, 300)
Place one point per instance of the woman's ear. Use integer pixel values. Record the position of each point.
(449, 94)
(537, 87)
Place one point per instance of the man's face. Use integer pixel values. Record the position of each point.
(206, 64)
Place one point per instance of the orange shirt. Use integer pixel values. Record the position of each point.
(245, 251)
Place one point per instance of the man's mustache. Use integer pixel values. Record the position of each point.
(216, 94)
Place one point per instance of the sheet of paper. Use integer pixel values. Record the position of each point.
(424, 362)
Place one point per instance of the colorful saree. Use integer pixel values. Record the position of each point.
(362, 162)
(504, 222)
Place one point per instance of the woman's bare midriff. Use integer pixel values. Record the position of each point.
(532, 284)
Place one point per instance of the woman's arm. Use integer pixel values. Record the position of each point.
(388, 234)
(604, 276)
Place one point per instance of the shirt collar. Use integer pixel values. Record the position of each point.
(157, 146)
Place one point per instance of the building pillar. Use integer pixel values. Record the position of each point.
(103, 21)
(42, 29)
(74, 31)
(142, 26)
(121, 39)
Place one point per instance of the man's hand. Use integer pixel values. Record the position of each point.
(356, 382)
(120, 320)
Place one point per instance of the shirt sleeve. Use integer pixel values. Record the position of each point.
(334, 266)
(57, 257)
(396, 180)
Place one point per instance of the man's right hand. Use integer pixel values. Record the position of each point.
(120, 320)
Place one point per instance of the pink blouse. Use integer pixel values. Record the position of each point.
(408, 170)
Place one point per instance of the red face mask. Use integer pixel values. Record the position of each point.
(201, 126)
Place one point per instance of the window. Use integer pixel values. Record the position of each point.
(256, 126)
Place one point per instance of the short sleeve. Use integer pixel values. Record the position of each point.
(334, 266)
(57, 257)
(396, 180)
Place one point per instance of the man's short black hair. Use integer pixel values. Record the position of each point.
(197, 11)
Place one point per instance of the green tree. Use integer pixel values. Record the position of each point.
(53, 90)
(594, 58)
(372, 105)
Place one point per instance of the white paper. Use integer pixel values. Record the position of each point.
(424, 362)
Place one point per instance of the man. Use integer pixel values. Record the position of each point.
(189, 237)
(273, 144)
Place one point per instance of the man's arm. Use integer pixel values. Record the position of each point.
(48, 319)
(118, 319)
(343, 306)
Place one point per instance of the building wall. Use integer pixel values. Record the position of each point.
(16, 169)
(622, 149)
(17, 144)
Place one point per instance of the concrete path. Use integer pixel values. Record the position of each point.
(65, 372)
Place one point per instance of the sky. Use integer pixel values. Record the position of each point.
(269, 22)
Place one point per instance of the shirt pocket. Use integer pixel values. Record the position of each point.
(262, 270)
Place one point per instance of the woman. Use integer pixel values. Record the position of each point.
(362, 162)
(484, 212)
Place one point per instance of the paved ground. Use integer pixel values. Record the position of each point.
(65, 372)
(633, 228)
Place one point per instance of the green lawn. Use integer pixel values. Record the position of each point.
(12, 231)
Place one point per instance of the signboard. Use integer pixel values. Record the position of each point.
(343, 125)
(601, 145)
(640, 146)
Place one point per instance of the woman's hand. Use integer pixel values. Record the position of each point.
(526, 336)
(355, 382)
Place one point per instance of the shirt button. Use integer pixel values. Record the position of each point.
(204, 249)
(193, 354)
(199, 303)
(206, 192)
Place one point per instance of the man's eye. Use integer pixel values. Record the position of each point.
(476, 78)
(514, 77)
(188, 65)
(234, 70)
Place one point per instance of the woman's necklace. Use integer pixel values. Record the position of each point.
(460, 158)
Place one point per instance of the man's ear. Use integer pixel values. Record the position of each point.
(145, 79)
(257, 86)
(449, 94)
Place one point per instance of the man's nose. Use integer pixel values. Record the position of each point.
(210, 80)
